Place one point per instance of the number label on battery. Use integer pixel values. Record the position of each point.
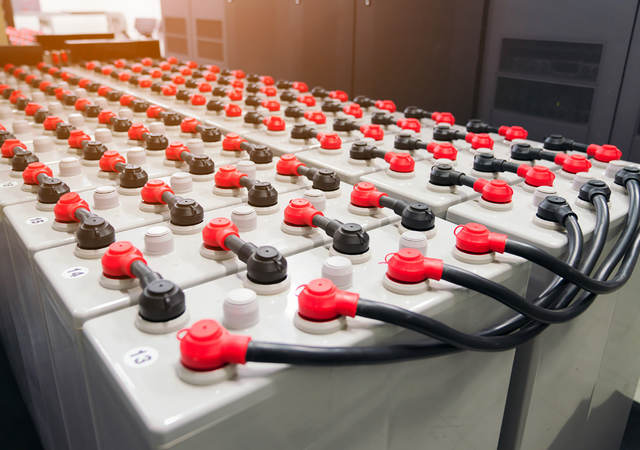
(36, 220)
(75, 272)
(141, 357)
(8, 184)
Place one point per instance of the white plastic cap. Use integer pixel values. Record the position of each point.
(80, 92)
(125, 113)
(105, 197)
(158, 241)
(101, 102)
(339, 270)
(157, 128)
(317, 198)
(240, 309)
(76, 120)
(42, 144)
(195, 146)
(541, 193)
(54, 108)
(614, 166)
(245, 218)
(136, 155)
(103, 135)
(464, 146)
(5, 111)
(70, 167)
(181, 182)
(579, 179)
(248, 167)
(413, 239)
(484, 151)
(21, 126)
(38, 97)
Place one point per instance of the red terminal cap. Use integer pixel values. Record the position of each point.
(60, 92)
(481, 140)
(189, 125)
(145, 83)
(339, 95)
(365, 195)
(169, 90)
(307, 99)
(232, 110)
(81, 104)
(198, 100)
(269, 91)
(153, 190)
(31, 108)
(15, 95)
(353, 109)
(186, 71)
(103, 91)
(124, 76)
(192, 64)
(238, 73)
(137, 131)
(65, 76)
(238, 84)
(320, 301)
(207, 345)
(409, 266)
(9, 66)
(76, 137)
(165, 66)
(174, 151)
(119, 63)
(172, 60)
(156, 73)
(443, 117)
(117, 260)
(477, 239)
(137, 68)
(51, 122)
(109, 159)
(213, 68)
(216, 231)
(19, 71)
(288, 165)
(573, 163)
(210, 76)
(228, 177)
(126, 99)
(235, 95)
(317, 117)
(65, 208)
(9, 146)
(232, 142)
(30, 174)
(29, 78)
(83, 82)
(494, 191)
(267, 80)
(153, 111)
(386, 105)
(274, 123)
(400, 162)
(146, 61)
(409, 124)
(178, 79)
(90, 65)
(445, 150)
(537, 175)
(604, 153)
(45, 84)
(53, 70)
(329, 141)
(513, 132)
(204, 87)
(300, 212)
(271, 105)
(106, 70)
(300, 86)
(373, 131)
(105, 116)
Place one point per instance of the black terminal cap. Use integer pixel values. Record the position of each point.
(442, 174)
(364, 101)
(69, 99)
(114, 95)
(592, 188)
(253, 77)
(93, 87)
(479, 126)
(51, 189)
(191, 83)
(165, 77)
(121, 125)
(284, 84)
(35, 83)
(115, 75)
(326, 180)
(382, 118)
(554, 209)
(133, 177)
(261, 154)
(93, 150)
(40, 115)
(252, 87)
(215, 105)
(319, 92)
(91, 111)
(413, 112)
(405, 141)
(51, 90)
(138, 105)
(172, 119)
(331, 105)
(4, 135)
(522, 151)
(225, 72)
(253, 118)
(196, 74)
(446, 133)
(7, 92)
(183, 95)
(94, 233)
(219, 91)
(63, 130)
(133, 80)
(262, 194)
(73, 80)
(156, 142)
(626, 174)
(266, 265)
(362, 151)
(22, 103)
(253, 100)
(485, 162)
(342, 124)
(156, 87)
(301, 131)
(294, 112)
(21, 159)
(288, 96)
(418, 216)
(557, 143)
(161, 301)
(22, 75)
(186, 212)
(210, 134)
(201, 165)
(97, 68)
(145, 71)
(174, 69)
(224, 81)
(351, 239)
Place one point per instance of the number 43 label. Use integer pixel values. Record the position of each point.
(141, 357)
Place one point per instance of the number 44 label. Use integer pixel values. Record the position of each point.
(141, 357)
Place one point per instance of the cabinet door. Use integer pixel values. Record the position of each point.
(419, 52)
(176, 27)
